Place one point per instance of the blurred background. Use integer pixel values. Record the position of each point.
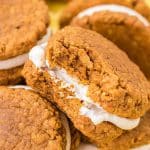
(55, 9)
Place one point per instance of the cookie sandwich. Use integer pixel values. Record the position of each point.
(24, 24)
(75, 7)
(28, 121)
(92, 81)
(136, 139)
(128, 29)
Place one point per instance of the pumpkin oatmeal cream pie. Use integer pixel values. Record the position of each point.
(76, 6)
(28, 121)
(91, 80)
(136, 139)
(129, 30)
(23, 24)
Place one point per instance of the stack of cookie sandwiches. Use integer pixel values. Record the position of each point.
(27, 120)
(95, 84)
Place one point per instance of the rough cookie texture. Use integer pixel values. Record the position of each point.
(75, 6)
(127, 32)
(135, 138)
(41, 82)
(29, 122)
(11, 76)
(115, 82)
(23, 23)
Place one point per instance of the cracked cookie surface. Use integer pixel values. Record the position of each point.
(42, 83)
(23, 23)
(98, 63)
(114, 81)
(126, 31)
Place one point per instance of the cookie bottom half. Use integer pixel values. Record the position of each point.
(11, 76)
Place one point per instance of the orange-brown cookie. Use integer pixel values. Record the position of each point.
(92, 81)
(75, 6)
(137, 139)
(125, 27)
(59, 0)
(23, 25)
(28, 121)
(11, 76)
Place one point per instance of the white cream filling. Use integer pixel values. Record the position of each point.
(113, 8)
(13, 62)
(21, 59)
(89, 109)
(67, 128)
(98, 115)
(145, 147)
(21, 87)
(37, 55)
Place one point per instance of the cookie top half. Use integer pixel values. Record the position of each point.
(23, 23)
(74, 7)
(29, 122)
(114, 82)
(129, 30)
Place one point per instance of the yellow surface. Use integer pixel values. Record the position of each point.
(147, 2)
(55, 9)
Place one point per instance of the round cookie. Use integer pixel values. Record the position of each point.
(74, 7)
(92, 81)
(122, 25)
(23, 25)
(137, 139)
(30, 122)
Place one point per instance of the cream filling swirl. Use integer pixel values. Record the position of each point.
(89, 109)
(21, 59)
(113, 8)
